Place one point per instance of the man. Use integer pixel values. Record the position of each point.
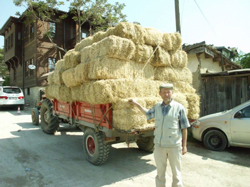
(170, 133)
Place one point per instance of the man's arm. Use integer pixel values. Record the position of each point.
(141, 108)
(184, 140)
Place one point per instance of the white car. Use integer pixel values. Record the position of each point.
(11, 96)
(224, 129)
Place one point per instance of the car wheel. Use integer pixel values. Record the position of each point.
(215, 140)
(146, 144)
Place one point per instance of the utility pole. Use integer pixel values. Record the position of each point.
(177, 17)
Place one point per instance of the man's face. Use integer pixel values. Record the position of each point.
(166, 94)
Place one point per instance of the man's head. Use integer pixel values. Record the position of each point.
(166, 91)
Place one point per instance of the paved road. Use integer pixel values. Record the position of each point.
(34, 159)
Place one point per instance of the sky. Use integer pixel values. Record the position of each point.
(217, 22)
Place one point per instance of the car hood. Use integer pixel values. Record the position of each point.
(215, 115)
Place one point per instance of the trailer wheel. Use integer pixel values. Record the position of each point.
(94, 147)
(35, 116)
(146, 144)
(49, 122)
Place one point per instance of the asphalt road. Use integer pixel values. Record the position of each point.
(32, 158)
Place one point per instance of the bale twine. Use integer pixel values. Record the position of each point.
(143, 53)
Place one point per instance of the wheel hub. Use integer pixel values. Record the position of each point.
(215, 140)
(90, 145)
(46, 116)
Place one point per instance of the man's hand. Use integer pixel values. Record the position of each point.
(132, 102)
(184, 150)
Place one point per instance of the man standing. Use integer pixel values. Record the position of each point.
(170, 134)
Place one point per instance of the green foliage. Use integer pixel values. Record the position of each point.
(6, 81)
(3, 66)
(98, 13)
(244, 60)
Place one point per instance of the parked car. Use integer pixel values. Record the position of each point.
(11, 96)
(224, 129)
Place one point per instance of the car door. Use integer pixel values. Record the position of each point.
(240, 126)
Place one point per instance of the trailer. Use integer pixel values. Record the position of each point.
(96, 123)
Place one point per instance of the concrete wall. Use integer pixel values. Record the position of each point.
(33, 97)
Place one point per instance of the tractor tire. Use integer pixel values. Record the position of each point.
(94, 147)
(215, 140)
(35, 116)
(49, 122)
(146, 144)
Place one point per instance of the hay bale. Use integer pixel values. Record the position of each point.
(181, 98)
(167, 42)
(64, 94)
(49, 92)
(115, 47)
(170, 74)
(99, 36)
(179, 59)
(131, 31)
(59, 66)
(75, 93)
(143, 54)
(176, 41)
(140, 71)
(71, 59)
(81, 72)
(161, 58)
(69, 79)
(87, 54)
(57, 78)
(193, 106)
(84, 43)
(153, 37)
(51, 78)
(183, 87)
(121, 103)
(151, 101)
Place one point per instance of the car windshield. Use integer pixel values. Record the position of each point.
(12, 90)
(242, 104)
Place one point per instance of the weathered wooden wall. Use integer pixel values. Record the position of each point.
(220, 93)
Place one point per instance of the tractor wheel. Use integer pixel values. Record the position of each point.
(35, 116)
(94, 147)
(49, 122)
(215, 140)
(146, 144)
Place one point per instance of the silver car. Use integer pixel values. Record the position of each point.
(224, 129)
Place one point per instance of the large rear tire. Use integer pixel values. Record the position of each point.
(35, 116)
(49, 122)
(215, 140)
(146, 144)
(94, 147)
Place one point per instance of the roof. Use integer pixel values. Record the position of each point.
(7, 24)
(213, 52)
(227, 73)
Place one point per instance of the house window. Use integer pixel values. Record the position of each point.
(19, 35)
(28, 91)
(11, 40)
(31, 71)
(31, 31)
(27, 68)
(84, 35)
(51, 63)
(14, 73)
(52, 29)
(26, 34)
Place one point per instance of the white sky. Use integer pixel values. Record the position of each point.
(226, 22)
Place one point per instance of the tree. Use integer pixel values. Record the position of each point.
(98, 13)
(3, 68)
(43, 11)
(244, 60)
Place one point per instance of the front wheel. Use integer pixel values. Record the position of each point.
(146, 144)
(94, 147)
(215, 140)
(35, 116)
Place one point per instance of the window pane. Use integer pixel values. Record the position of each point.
(51, 62)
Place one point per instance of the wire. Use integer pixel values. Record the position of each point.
(205, 18)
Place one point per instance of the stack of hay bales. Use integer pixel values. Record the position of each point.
(127, 61)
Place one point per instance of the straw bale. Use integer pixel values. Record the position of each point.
(140, 71)
(99, 36)
(121, 103)
(143, 54)
(128, 119)
(84, 43)
(115, 47)
(71, 59)
(151, 101)
(183, 87)
(51, 78)
(69, 79)
(153, 37)
(161, 58)
(64, 94)
(81, 72)
(59, 66)
(173, 74)
(193, 106)
(131, 31)
(87, 54)
(176, 41)
(76, 93)
(179, 59)
(167, 42)
(181, 98)
(57, 78)
(49, 92)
